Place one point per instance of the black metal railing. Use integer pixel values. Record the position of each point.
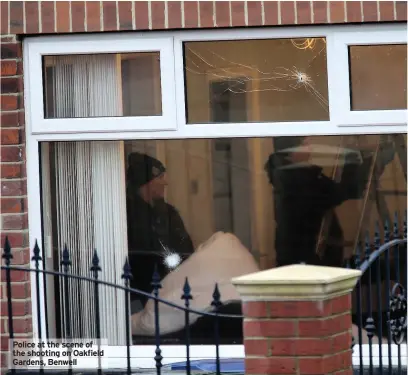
(380, 299)
(95, 269)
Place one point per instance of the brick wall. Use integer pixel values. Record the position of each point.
(46, 17)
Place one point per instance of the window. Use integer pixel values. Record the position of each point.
(105, 85)
(374, 85)
(272, 80)
(253, 215)
(82, 86)
(227, 148)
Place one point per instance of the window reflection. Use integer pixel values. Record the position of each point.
(224, 207)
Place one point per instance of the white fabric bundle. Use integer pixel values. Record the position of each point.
(218, 260)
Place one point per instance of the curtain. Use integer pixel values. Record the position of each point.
(89, 196)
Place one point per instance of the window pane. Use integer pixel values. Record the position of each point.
(256, 80)
(106, 85)
(378, 76)
(214, 209)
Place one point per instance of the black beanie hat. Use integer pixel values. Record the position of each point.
(142, 169)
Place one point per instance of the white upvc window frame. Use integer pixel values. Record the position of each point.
(77, 44)
(172, 125)
(346, 116)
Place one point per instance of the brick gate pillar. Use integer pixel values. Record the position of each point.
(298, 320)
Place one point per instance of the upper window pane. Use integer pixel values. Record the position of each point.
(275, 80)
(378, 76)
(104, 85)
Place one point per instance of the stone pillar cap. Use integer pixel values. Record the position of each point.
(296, 282)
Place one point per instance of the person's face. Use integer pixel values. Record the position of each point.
(157, 187)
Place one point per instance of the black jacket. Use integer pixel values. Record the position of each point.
(303, 195)
(151, 229)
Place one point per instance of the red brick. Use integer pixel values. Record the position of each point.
(303, 10)
(14, 222)
(10, 51)
(11, 171)
(78, 16)
(17, 240)
(9, 102)
(63, 22)
(4, 17)
(13, 188)
(21, 257)
(255, 309)
(7, 39)
(11, 154)
(274, 365)
(238, 13)
(125, 15)
(287, 12)
(190, 14)
(8, 68)
(93, 16)
(386, 10)
(353, 11)
(47, 17)
(257, 347)
(158, 17)
(206, 13)
(269, 328)
(23, 325)
(337, 12)
(19, 307)
(271, 12)
(9, 119)
(10, 85)
(222, 12)
(341, 342)
(174, 14)
(19, 67)
(254, 13)
(401, 8)
(312, 347)
(283, 347)
(11, 205)
(299, 309)
(32, 17)
(324, 327)
(21, 290)
(341, 304)
(344, 372)
(10, 137)
(141, 15)
(16, 17)
(109, 15)
(370, 11)
(320, 11)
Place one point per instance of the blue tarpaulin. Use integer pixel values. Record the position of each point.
(235, 365)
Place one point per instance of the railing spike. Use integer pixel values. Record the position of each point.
(377, 241)
(386, 230)
(7, 255)
(396, 226)
(367, 246)
(186, 291)
(127, 272)
(95, 262)
(36, 251)
(358, 256)
(405, 224)
(65, 262)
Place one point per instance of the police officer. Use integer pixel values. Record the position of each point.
(303, 195)
(156, 232)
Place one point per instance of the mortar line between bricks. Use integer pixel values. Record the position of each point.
(296, 318)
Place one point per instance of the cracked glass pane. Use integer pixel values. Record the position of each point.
(378, 77)
(272, 80)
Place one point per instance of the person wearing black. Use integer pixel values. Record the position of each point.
(303, 195)
(156, 232)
